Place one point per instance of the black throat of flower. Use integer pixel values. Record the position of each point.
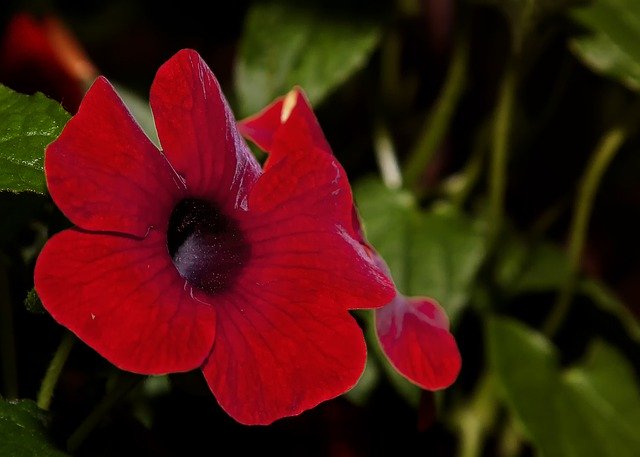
(207, 247)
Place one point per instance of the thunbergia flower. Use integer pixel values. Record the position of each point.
(193, 256)
(41, 54)
(413, 331)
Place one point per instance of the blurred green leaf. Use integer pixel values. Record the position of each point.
(284, 45)
(589, 410)
(524, 267)
(28, 123)
(544, 267)
(609, 380)
(612, 46)
(22, 431)
(436, 254)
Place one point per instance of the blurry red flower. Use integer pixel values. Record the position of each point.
(413, 332)
(43, 55)
(195, 257)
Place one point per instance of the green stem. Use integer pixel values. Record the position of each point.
(477, 418)
(439, 118)
(386, 157)
(124, 384)
(600, 160)
(499, 151)
(510, 443)
(53, 371)
(7, 338)
(473, 168)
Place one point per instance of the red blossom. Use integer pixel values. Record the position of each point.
(194, 256)
(413, 332)
(43, 55)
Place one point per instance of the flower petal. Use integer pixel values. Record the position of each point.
(294, 228)
(124, 298)
(198, 132)
(105, 174)
(289, 127)
(292, 110)
(275, 358)
(308, 228)
(414, 334)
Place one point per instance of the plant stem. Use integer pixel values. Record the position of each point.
(124, 384)
(477, 417)
(386, 157)
(510, 444)
(499, 151)
(600, 160)
(53, 371)
(7, 338)
(473, 168)
(439, 118)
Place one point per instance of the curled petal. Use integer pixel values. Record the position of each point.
(414, 334)
(105, 174)
(124, 298)
(275, 358)
(198, 132)
(291, 113)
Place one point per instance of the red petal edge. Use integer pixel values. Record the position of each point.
(275, 358)
(105, 174)
(414, 334)
(293, 108)
(124, 298)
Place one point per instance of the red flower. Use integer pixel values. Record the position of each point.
(413, 332)
(195, 257)
(43, 55)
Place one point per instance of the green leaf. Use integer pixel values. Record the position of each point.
(284, 45)
(537, 267)
(436, 254)
(544, 267)
(28, 123)
(23, 432)
(589, 410)
(611, 46)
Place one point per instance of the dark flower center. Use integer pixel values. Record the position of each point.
(206, 246)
